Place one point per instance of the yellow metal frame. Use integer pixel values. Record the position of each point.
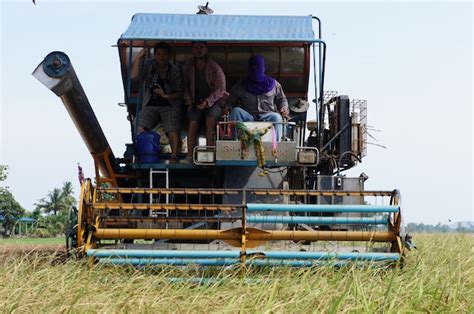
(93, 207)
(395, 225)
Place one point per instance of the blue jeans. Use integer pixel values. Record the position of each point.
(239, 114)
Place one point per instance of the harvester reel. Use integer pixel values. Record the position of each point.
(71, 231)
(82, 219)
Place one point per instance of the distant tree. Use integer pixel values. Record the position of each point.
(461, 228)
(68, 194)
(35, 214)
(53, 203)
(53, 225)
(438, 228)
(10, 209)
(443, 229)
(3, 172)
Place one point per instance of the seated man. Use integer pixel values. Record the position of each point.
(162, 92)
(258, 97)
(204, 86)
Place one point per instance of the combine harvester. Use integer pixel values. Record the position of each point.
(222, 209)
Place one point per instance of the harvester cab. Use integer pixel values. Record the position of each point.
(265, 201)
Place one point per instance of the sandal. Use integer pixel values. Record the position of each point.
(187, 160)
(173, 160)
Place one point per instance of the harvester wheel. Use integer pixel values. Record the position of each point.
(71, 231)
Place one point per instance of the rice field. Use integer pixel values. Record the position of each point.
(437, 277)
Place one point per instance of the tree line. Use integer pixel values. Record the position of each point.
(10, 209)
(50, 212)
(439, 228)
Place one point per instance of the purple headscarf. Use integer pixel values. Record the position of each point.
(257, 82)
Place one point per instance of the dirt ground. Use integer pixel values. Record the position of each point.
(9, 251)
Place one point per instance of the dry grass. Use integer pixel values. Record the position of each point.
(438, 277)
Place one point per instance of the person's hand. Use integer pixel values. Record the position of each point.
(225, 110)
(141, 53)
(159, 91)
(202, 105)
(284, 112)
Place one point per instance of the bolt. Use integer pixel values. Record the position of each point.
(56, 63)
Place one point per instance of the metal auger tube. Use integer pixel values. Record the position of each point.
(58, 75)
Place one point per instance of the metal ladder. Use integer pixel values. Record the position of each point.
(156, 213)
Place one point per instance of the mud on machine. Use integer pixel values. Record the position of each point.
(283, 204)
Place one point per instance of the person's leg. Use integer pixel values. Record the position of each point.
(192, 136)
(273, 117)
(147, 118)
(210, 130)
(173, 136)
(239, 114)
(171, 120)
(194, 116)
(213, 115)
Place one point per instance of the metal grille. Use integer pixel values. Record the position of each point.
(328, 94)
(359, 107)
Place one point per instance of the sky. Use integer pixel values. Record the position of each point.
(412, 62)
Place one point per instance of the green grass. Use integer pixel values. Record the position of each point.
(32, 241)
(438, 277)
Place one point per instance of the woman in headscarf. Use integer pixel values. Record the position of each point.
(258, 97)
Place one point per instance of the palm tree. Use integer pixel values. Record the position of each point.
(68, 194)
(54, 202)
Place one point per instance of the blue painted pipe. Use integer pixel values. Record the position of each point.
(222, 262)
(267, 262)
(197, 281)
(318, 208)
(163, 253)
(202, 262)
(204, 281)
(330, 255)
(170, 261)
(318, 220)
(296, 263)
(176, 255)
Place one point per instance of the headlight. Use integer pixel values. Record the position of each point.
(205, 157)
(307, 157)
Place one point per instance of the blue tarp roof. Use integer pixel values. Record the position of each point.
(23, 219)
(186, 27)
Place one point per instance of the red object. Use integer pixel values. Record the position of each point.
(80, 174)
